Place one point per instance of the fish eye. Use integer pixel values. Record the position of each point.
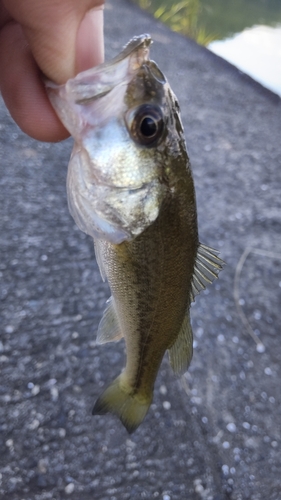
(146, 124)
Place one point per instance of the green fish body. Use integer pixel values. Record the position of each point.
(130, 186)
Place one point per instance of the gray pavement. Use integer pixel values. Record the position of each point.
(215, 433)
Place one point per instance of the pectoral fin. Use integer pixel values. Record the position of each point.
(206, 269)
(109, 329)
(98, 253)
(180, 353)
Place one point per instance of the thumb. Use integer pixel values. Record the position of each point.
(89, 41)
(65, 36)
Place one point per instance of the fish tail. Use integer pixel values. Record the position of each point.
(120, 400)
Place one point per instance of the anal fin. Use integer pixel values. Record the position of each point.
(180, 353)
(109, 329)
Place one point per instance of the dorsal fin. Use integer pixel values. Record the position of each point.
(206, 269)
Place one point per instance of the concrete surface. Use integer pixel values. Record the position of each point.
(214, 434)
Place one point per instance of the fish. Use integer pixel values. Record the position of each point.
(130, 187)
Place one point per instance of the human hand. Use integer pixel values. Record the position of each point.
(58, 38)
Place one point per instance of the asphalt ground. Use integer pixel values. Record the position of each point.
(214, 434)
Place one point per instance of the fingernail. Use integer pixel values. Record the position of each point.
(90, 41)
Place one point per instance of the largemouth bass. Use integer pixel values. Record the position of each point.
(130, 187)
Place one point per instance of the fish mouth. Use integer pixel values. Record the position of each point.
(99, 81)
(88, 87)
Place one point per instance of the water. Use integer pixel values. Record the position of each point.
(247, 33)
(248, 36)
(257, 52)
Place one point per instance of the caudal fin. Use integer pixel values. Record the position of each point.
(129, 408)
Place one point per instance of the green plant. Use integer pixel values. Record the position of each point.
(181, 17)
